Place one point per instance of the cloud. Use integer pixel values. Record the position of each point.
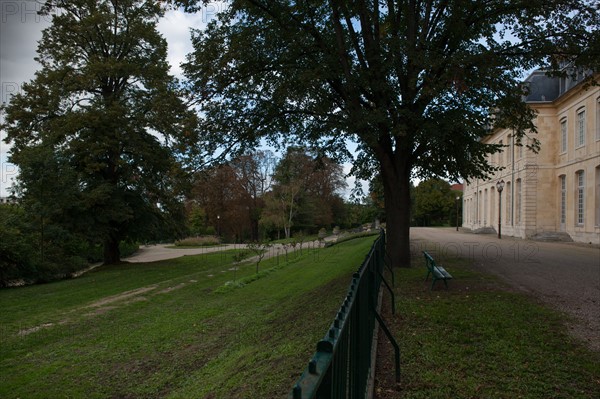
(20, 30)
(175, 26)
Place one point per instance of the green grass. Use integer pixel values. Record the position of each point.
(481, 340)
(175, 333)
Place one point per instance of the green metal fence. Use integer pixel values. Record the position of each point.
(341, 365)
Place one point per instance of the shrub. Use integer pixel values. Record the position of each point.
(201, 241)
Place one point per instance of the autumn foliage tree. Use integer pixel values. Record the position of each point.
(231, 195)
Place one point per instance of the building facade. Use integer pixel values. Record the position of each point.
(554, 193)
(7, 200)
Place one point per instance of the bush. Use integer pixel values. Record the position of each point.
(202, 241)
(25, 258)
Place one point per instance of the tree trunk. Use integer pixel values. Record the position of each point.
(254, 230)
(112, 254)
(396, 185)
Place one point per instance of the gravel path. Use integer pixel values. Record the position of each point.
(152, 253)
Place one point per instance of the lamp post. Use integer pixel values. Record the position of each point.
(219, 226)
(500, 187)
(457, 199)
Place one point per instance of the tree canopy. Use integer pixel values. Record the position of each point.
(98, 132)
(434, 203)
(416, 84)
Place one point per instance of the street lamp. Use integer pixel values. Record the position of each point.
(218, 225)
(500, 187)
(457, 199)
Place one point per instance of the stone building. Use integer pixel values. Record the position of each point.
(7, 200)
(555, 193)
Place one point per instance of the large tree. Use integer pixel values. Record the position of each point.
(97, 131)
(416, 84)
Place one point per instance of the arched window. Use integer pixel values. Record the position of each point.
(580, 128)
(597, 196)
(508, 213)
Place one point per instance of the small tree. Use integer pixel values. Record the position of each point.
(322, 235)
(300, 237)
(260, 250)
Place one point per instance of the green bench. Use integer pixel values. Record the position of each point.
(437, 272)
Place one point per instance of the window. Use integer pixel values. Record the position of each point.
(563, 199)
(563, 135)
(507, 152)
(598, 196)
(500, 153)
(479, 206)
(580, 129)
(518, 200)
(598, 119)
(580, 200)
(508, 217)
(485, 207)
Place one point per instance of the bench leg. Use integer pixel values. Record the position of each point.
(446, 283)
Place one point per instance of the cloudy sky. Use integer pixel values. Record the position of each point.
(21, 29)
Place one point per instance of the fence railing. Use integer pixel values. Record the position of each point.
(341, 366)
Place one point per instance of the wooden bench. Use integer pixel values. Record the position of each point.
(437, 272)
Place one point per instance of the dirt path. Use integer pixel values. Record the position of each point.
(152, 253)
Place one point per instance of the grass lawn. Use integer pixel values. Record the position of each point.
(168, 329)
(479, 339)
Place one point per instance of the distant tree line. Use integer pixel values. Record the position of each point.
(256, 196)
(433, 202)
(251, 198)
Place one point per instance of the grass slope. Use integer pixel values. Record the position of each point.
(164, 329)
